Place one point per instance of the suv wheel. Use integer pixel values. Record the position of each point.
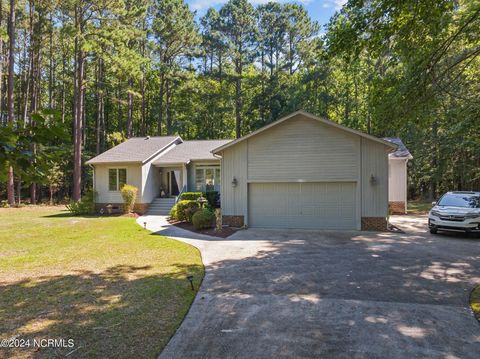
(433, 230)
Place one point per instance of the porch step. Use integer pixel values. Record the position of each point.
(161, 206)
(158, 212)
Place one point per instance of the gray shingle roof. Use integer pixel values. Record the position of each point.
(402, 151)
(136, 149)
(190, 151)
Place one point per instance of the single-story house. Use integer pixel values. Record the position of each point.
(301, 171)
(398, 176)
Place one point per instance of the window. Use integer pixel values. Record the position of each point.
(207, 178)
(117, 177)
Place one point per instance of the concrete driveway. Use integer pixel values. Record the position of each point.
(319, 294)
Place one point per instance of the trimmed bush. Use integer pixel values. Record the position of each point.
(190, 196)
(86, 205)
(181, 212)
(173, 212)
(203, 218)
(212, 197)
(129, 195)
(189, 212)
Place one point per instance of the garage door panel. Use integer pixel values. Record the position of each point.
(319, 205)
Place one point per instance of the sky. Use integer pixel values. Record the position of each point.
(319, 10)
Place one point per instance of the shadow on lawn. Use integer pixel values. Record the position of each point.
(121, 312)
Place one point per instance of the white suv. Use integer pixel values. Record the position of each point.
(456, 211)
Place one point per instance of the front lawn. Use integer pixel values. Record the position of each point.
(418, 207)
(111, 286)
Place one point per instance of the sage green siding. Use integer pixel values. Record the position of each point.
(322, 205)
(234, 165)
(304, 150)
(374, 195)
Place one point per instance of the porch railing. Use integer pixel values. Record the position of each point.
(177, 197)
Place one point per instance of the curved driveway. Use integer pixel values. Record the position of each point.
(319, 294)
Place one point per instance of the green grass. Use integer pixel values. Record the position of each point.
(419, 207)
(475, 301)
(111, 286)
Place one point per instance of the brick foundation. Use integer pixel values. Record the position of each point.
(233, 221)
(397, 207)
(374, 224)
(139, 208)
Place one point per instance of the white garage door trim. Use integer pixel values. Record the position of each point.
(307, 205)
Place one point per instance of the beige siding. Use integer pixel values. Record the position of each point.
(374, 196)
(234, 164)
(134, 177)
(397, 180)
(303, 149)
(151, 182)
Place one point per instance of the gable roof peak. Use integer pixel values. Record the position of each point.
(388, 144)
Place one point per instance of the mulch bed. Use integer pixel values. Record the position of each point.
(223, 233)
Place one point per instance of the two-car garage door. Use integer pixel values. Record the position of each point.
(313, 205)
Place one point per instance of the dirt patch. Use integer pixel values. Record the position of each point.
(223, 233)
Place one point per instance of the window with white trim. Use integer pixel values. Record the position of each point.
(207, 178)
(117, 177)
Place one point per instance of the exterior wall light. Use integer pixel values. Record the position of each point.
(373, 180)
(234, 182)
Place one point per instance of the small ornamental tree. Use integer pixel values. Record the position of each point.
(129, 194)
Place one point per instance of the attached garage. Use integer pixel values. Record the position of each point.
(315, 205)
(303, 171)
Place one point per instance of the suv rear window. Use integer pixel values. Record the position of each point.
(460, 200)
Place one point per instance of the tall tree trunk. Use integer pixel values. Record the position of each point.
(35, 39)
(78, 107)
(51, 69)
(19, 190)
(100, 123)
(434, 159)
(160, 104)
(64, 65)
(130, 109)
(142, 89)
(1, 65)
(168, 107)
(238, 99)
(10, 100)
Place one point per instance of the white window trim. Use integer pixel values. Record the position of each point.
(204, 168)
(118, 178)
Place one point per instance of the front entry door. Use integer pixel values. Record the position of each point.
(172, 184)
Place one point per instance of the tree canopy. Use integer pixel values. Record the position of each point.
(122, 68)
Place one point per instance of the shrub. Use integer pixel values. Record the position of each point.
(182, 206)
(203, 218)
(189, 212)
(173, 211)
(129, 194)
(190, 196)
(213, 198)
(85, 206)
